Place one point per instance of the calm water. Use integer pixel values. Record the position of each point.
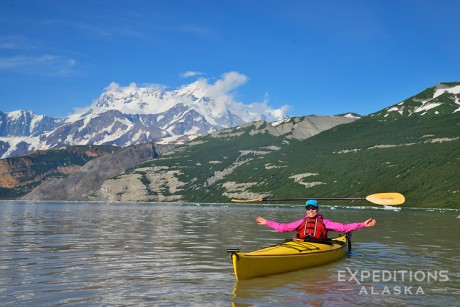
(79, 254)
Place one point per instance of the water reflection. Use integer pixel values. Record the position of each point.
(167, 254)
(314, 286)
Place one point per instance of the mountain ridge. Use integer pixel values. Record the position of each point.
(124, 116)
(443, 97)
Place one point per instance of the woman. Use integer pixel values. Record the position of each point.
(313, 226)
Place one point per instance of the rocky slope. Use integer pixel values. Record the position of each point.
(21, 174)
(85, 183)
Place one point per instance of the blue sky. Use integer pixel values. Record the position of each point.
(318, 57)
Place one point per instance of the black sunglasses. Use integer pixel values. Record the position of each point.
(311, 208)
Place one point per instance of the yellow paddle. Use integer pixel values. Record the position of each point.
(384, 199)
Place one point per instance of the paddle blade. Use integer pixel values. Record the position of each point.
(255, 200)
(386, 199)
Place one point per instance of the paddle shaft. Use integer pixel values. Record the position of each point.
(384, 199)
(316, 198)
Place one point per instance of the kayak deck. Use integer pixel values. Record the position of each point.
(286, 257)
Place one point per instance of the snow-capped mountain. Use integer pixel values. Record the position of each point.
(212, 101)
(444, 98)
(26, 123)
(123, 116)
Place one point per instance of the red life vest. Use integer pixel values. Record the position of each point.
(312, 227)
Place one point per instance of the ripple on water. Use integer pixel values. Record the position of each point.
(138, 254)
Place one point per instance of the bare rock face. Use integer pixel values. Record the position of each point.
(301, 128)
(20, 174)
(85, 184)
(146, 184)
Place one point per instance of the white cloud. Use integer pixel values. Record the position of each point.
(190, 73)
(229, 82)
(113, 86)
(16, 42)
(222, 94)
(222, 87)
(45, 65)
(27, 60)
(221, 90)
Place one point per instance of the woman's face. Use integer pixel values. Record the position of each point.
(312, 211)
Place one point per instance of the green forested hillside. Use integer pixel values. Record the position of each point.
(413, 156)
(416, 156)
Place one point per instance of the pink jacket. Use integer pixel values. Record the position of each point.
(330, 225)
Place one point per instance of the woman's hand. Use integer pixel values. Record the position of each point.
(370, 222)
(260, 220)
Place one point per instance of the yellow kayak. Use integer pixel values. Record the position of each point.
(287, 256)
